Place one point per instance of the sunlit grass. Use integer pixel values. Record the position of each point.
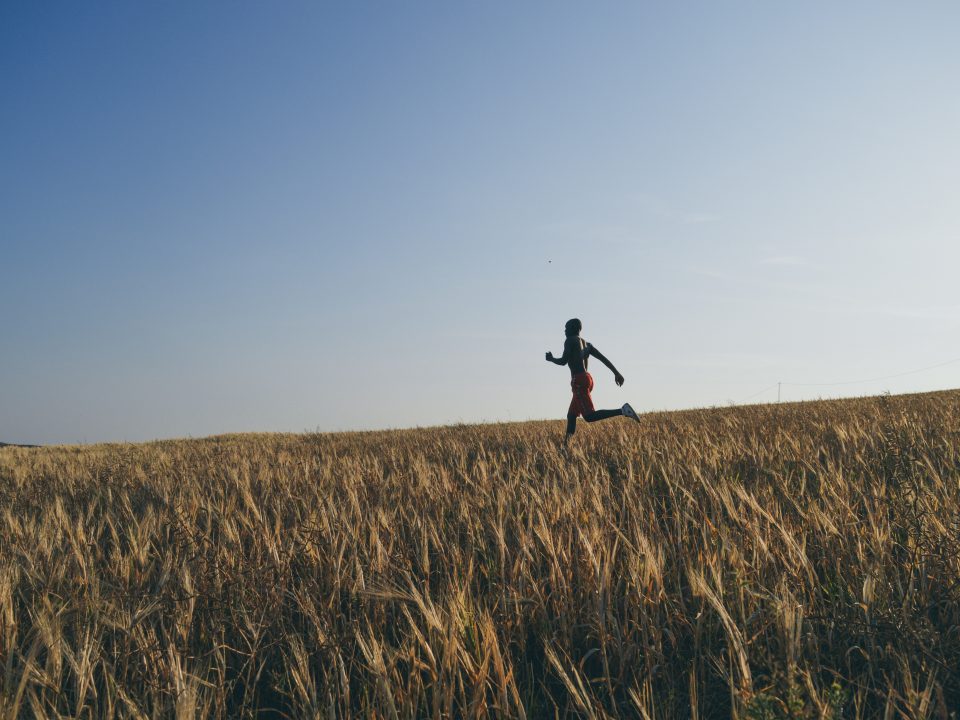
(798, 560)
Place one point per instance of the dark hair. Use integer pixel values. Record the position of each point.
(573, 326)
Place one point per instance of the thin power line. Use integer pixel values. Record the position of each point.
(750, 397)
(882, 377)
(855, 382)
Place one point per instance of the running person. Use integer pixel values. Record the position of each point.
(576, 352)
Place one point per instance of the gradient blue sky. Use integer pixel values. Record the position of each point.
(222, 217)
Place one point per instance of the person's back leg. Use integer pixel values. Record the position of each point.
(602, 415)
(626, 411)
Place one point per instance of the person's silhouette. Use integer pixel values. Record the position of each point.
(576, 352)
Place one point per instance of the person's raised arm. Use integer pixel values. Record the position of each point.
(556, 361)
(591, 350)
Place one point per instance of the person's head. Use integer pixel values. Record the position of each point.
(573, 327)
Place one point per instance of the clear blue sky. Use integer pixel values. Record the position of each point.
(223, 217)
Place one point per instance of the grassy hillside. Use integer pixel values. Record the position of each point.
(798, 560)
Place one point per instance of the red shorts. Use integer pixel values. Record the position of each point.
(582, 403)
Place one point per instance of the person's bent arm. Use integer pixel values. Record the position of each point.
(617, 377)
(571, 349)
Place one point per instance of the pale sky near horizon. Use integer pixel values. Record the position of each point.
(220, 217)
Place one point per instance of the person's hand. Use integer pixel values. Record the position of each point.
(549, 357)
(618, 379)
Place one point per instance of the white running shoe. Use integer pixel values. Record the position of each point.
(630, 412)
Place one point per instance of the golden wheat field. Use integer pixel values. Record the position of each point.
(788, 561)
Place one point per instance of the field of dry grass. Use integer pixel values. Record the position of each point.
(786, 561)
